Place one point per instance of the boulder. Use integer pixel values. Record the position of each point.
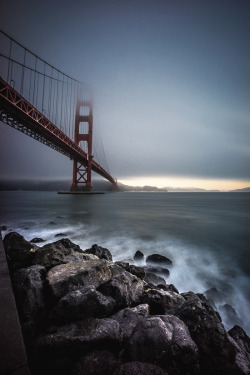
(83, 303)
(139, 368)
(28, 285)
(19, 252)
(68, 277)
(100, 252)
(98, 362)
(219, 354)
(37, 240)
(165, 341)
(59, 252)
(241, 338)
(158, 270)
(152, 278)
(129, 317)
(138, 255)
(229, 316)
(161, 301)
(135, 270)
(158, 259)
(124, 287)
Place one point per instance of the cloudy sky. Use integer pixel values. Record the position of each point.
(171, 81)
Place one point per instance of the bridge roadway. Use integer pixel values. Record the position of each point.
(17, 112)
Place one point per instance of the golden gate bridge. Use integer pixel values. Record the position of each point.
(48, 105)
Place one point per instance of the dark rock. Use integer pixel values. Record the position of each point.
(229, 315)
(3, 227)
(87, 334)
(19, 252)
(135, 270)
(152, 278)
(164, 341)
(59, 252)
(37, 240)
(129, 317)
(139, 368)
(96, 363)
(241, 338)
(158, 270)
(101, 252)
(52, 223)
(158, 259)
(66, 278)
(61, 234)
(215, 295)
(219, 354)
(138, 255)
(83, 303)
(161, 301)
(124, 287)
(28, 285)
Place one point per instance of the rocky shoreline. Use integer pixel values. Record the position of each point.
(82, 313)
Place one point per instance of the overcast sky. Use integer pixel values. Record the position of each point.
(171, 82)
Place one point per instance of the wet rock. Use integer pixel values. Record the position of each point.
(129, 317)
(59, 252)
(218, 353)
(3, 227)
(158, 259)
(138, 255)
(86, 334)
(161, 301)
(215, 295)
(164, 341)
(66, 278)
(135, 270)
(61, 234)
(124, 287)
(229, 315)
(139, 368)
(83, 303)
(158, 270)
(152, 278)
(100, 252)
(241, 338)
(96, 363)
(37, 240)
(19, 252)
(28, 285)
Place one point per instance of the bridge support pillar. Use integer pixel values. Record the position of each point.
(83, 133)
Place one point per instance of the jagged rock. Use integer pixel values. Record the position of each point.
(241, 338)
(215, 295)
(161, 301)
(28, 286)
(96, 363)
(152, 278)
(229, 315)
(139, 368)
(129, 317)
(100, 252)
(37, 240)
(158, 270)
(87, 334)
(158, 259)
(138, 255)
(135, 270)
(83, 303)
(66, 278)
(19, 252)
(124, 287)
(59, 252)
(164, 341)
(218, 352)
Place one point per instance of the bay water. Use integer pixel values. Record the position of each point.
(206, 235)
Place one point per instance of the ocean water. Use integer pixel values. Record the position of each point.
(207, 235)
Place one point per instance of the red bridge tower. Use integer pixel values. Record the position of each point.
(83, 132)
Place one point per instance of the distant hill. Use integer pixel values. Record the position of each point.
(245, 190)
(127, 188)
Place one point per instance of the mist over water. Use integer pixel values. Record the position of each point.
(205, 234)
